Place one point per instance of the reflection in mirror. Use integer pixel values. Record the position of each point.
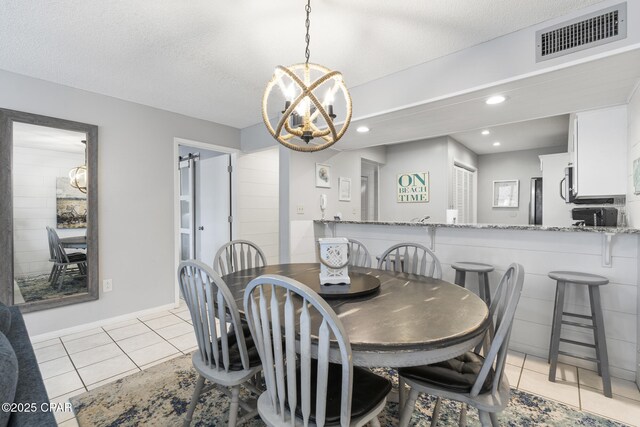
(49, 213)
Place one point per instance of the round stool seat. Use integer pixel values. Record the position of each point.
(579, 278)
(472, 267)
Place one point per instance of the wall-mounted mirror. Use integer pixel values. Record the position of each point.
(48, 211)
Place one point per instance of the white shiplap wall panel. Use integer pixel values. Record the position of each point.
(34, 200)
(257, 195)
(539, 252)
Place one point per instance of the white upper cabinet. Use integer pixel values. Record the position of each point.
(598, 150)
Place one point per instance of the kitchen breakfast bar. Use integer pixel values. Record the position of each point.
(605, 251)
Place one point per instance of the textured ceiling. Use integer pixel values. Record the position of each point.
(47, 138)
(594, 84)
(211, 59)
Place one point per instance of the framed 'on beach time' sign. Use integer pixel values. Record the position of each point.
(413, 187)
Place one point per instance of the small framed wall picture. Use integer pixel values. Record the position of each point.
(323, 175)
(506, 193)
(344, 189)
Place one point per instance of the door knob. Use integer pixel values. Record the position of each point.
(201, 228)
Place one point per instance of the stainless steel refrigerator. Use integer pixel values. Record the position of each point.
(535, 202)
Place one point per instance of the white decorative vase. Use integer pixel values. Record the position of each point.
(334, 261)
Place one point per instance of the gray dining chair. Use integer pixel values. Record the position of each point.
(359, 256)
(471, 379)
(412, 258)
(226, 353)
(238, 255)
(302, 387)
(62, 260)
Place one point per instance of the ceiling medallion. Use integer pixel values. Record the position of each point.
(305, 116)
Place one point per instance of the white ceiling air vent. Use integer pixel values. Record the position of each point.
(584, 32)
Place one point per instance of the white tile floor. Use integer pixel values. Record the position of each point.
(76, 363)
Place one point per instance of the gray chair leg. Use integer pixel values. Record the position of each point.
(601, 343)
(483, 288)
(407, 411)
(194, 401)
(402, 392)
(233, 409)
(64, 272)
(56, 274)
(435, 415)
(553, 319)
(555, 332)
(460, 278)
(462, 422)
(485, 419)
(494, 419)
(595, 331)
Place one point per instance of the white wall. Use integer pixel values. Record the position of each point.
(521, 165)
(303, 190)
(539, 252)
(257, 200)
(419, 156)
(633, 200)
(296, 229)
(436, 156)
(633, 153)
(35, 172)
(136, 167)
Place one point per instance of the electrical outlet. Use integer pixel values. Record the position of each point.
(300, 210)
(355, 211)
(107, 285)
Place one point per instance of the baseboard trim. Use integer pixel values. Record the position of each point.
(100, 323)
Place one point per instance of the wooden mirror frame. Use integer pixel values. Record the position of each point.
(7, 118)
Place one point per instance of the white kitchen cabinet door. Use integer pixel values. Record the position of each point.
(601, 153)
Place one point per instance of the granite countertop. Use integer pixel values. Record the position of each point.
(613, 230)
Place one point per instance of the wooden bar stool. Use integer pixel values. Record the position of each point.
(483, 270)
(594, 282)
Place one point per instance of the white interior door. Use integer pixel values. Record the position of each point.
(187, 196)
(213, 204)
(465, 195)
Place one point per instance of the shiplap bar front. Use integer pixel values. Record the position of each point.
(539, 251)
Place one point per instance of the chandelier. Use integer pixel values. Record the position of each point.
(305, 117)
(78, 175)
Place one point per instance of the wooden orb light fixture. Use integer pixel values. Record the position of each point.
(309, 92)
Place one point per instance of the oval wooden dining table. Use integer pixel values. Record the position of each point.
(74, 242)
(411, 320)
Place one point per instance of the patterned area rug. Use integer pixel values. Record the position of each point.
(38, 288)
(160, 396)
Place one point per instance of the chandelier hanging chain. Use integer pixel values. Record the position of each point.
(307, 24)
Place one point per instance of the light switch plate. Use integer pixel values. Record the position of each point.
(107, 285)
(300, 210)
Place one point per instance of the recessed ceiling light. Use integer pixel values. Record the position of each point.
(485, 132)
(362, 129)
(496, 99)
(496, 144)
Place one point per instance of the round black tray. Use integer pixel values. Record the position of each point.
(361, 285)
